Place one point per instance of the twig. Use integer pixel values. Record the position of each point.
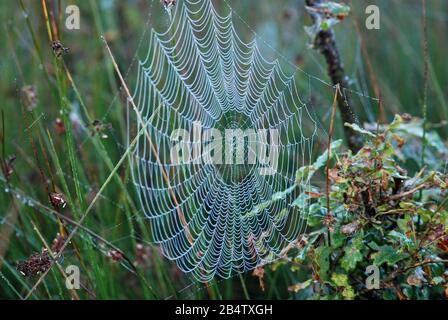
(424, 263)
(425, 92)
(328, 220)
(325, 43)
(426, 78)
(408, 193)
(330, 136)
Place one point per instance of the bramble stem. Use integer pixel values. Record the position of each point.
(325, 43)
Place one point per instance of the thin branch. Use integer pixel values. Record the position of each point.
(325, 43)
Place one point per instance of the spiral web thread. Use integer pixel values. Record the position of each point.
(217, 220)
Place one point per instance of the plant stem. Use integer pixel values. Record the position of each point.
(243, 285)
(425, 94)
(325, 43)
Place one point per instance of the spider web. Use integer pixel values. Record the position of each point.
(215, 219)
(200, 69)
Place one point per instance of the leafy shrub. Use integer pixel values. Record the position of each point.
(380, 215)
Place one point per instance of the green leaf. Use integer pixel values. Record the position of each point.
(374, 245)
(305, 173)
(334, 8)
(341, 280)
(388, 294)
(387, 254)
(403, 224)
(404, 240)
(321, 161)
(351, 257)
(437, 280)
(324, 25)
(322, 258)
(352, 253)
(360, 130)
(398, 120)
(337, 240)
(348, 293)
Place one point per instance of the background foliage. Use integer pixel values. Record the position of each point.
(75, 134)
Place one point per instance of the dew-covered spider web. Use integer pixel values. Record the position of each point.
(201, 73)
(199, 78)
(213, 219)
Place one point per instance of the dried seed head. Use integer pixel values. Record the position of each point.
(57, 200)
(8, 168)
(57, 244)
(59, 126)
(35, 264)
(116, 256)
(328, 221)
(28, 96)
(99, 128)
(59, 49)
